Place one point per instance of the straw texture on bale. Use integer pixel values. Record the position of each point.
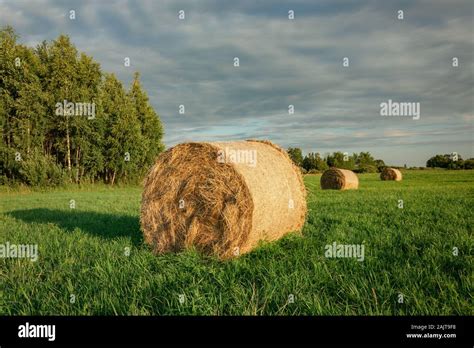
(221, 198)
(391, 174)
(339, 179)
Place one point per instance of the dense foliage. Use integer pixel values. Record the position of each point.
(362, 162)
(64, 120)
(450, 161)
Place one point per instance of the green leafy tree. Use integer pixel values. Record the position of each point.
(380, 164)
(124, 145)
(469, 163)
(296, 155)
(313, 161)
(21, 101)
(63, 86)
(116, 139)
(86, 136)
(340, 160)
(445, 161)
(364, 158)
(366, 163)
(150, 124)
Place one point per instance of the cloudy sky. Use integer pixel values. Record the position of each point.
(283, 62)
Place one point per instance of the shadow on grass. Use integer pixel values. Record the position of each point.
(107, 226)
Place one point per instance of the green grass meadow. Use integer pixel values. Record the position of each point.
(83, 266)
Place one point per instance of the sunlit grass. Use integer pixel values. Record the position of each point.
(408, 252)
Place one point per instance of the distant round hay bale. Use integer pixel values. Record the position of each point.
(391, 174)
(221, 198)
(339, 179)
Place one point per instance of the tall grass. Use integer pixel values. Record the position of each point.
(409, 267)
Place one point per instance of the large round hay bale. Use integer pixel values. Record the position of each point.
(339, 179)
(391, 174)
(221, 198)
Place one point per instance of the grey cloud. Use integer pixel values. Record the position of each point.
(283, 62)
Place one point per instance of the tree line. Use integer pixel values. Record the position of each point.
(364, 162)
(63, 120)
(450, 161)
